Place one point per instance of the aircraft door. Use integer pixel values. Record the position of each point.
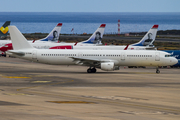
(80, 54)
(34, 54)
(157, 56)
(123, 56)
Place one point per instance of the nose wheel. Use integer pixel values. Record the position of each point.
(93, 70)
(157, 70)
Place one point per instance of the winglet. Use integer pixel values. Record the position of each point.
(33, 41)
(75, 44)
(126, 47)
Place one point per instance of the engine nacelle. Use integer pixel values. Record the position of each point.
(107, 66)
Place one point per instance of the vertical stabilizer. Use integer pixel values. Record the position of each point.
(97, 36)
(149, 38)
(54, 34)
(4, 29)
(18, 40)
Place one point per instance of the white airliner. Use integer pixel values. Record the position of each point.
(107, 60)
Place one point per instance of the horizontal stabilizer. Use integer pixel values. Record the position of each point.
(18, 53)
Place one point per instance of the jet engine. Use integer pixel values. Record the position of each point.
(107, 66)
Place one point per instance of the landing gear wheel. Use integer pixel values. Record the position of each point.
(93, 70)
(157, 71)
(89, 70)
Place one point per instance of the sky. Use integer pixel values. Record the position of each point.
(90, 6)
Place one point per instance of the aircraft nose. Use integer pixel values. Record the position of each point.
(174, 61)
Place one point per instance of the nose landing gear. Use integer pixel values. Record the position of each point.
(157, 70)
(93, 70)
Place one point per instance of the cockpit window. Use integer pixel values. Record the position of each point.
(168, 55)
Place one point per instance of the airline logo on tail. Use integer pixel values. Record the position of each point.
(97, 35)
(4, 29)
(54, 34)
(149, 38)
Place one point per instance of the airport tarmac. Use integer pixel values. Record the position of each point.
(34, 91)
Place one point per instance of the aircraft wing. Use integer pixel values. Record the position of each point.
(89, 61)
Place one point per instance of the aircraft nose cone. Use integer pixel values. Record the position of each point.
(174, 61)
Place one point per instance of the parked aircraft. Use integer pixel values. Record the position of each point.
(88, 44)
(107, 60)
(93, 40)
(145, 43)
(53, 36)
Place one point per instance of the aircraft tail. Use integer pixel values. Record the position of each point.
(4, 29)
(54, 34)
(149, 38)
(97, 36)
(18, 40)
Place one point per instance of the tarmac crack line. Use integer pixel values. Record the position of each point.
(20, 89)
(95, 100)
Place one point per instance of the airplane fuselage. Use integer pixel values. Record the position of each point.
(118, 57)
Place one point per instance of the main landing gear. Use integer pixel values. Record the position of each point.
(157, 70)
(93, 70)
